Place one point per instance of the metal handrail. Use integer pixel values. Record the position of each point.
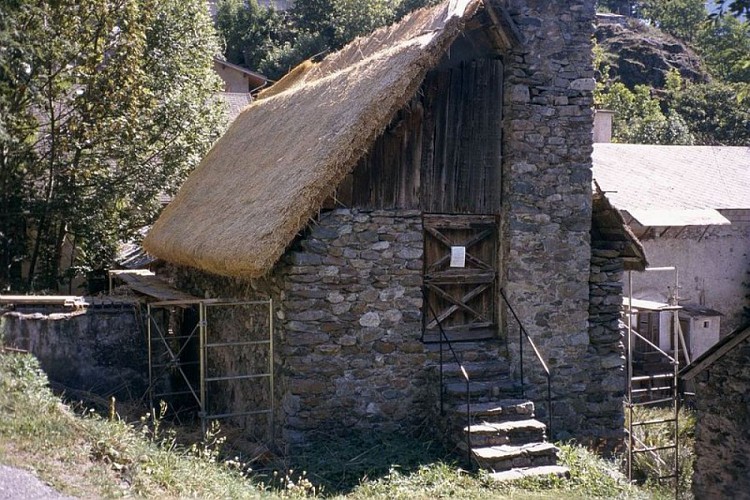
(521, 334)
(466, 379)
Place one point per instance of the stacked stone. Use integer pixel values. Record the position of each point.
(101, 350)
(722, 434)
(547, 193)
(604, 415)
(352, 354)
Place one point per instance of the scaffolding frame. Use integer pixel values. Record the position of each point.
(201, 332)
(632, 443)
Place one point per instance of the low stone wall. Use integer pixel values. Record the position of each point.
(603, 403)
(101, 350)
(722, 434)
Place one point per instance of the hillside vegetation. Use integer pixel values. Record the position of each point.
(675, 74)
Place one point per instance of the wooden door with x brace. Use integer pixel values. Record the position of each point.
(460, 276)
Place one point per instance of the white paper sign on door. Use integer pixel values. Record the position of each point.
(458, 256)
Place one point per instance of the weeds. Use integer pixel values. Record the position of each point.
(93, 456)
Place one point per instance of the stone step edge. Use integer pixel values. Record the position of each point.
(497, 408)
(509, 452)
(521, 473)
(508, 426)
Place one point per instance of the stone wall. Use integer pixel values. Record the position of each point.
(603, 410)
(101, 350)
(348, 308)
(352, 355)
(547, 195)
(722, 435)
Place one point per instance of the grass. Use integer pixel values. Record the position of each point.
(84, 454)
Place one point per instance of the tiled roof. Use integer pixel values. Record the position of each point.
(236, 102)
(683, 182)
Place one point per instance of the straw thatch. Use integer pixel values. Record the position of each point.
(285, 154)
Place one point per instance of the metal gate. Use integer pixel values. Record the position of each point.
(191, 363)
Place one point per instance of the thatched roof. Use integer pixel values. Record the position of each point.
(285, 154)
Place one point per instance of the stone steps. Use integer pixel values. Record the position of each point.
(504, 436)
(502, 433)
(523, 472)
(507, 457)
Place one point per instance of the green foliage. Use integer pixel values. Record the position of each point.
(115, 103)
(249, 32)
(716, 113)
(724, 45)
(272, 43)
(648, 467)
(680, 18)
(639, 118)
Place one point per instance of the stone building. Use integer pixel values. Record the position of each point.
(392, 191)
(722, 432)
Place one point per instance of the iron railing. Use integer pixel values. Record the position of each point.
(445, 340)
(521, 334)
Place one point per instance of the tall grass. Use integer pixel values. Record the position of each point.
(648, 467)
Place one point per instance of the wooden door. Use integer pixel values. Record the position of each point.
(460, 293)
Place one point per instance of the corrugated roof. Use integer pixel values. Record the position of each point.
(677, 185)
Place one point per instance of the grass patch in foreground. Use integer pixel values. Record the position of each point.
(89, 456)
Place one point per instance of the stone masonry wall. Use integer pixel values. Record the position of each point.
(352, 355)
(547, 196)
(348, 304)
(722, 434)
(604, 418)
(101, 350)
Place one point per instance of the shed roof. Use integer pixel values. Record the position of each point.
(674, 185)
(609, 225)
(286, 153)
(716, 352)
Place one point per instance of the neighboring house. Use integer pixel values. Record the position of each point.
(690, 207)
(722, 431)
(238, 79)
(455, 151)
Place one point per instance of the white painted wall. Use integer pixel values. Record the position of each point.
(712, 266)
(704, 332)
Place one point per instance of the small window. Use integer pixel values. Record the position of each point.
(706, 324)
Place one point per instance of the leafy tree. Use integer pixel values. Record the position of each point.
(260, 39)
(716, 113)
(249, 32)
(115, 104)
(737, 8)
(680, 18)
(724, 45)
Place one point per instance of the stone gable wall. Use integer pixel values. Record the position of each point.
(722, 433)
(547, 202)
(353, 298)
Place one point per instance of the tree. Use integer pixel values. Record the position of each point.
(737, 8)
(311, 29)
(724, 45)
(679, 18)
(717, 113)
(115, 104)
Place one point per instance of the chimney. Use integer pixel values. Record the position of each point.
(603, 125)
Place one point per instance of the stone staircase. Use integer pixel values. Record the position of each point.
(505, 437)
